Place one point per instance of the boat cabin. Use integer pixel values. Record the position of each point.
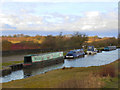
(28, 58)
(75, 53)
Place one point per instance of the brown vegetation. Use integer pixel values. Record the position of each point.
(108, 71)
(76, 40)
(43, 42)
(88, 82)
(102, 42)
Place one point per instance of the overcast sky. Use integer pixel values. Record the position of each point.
(36, 17)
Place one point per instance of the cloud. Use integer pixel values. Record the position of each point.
(90, 21)
(99, 21)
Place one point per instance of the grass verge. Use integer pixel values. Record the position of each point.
(105, 76)
(3, 65)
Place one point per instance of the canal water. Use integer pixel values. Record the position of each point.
(98, 59)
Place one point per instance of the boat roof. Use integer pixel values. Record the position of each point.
(90, 46)
(75, 50)
(31, 55)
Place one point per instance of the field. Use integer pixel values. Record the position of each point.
(105, 76)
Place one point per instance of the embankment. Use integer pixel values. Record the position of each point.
(105, 76)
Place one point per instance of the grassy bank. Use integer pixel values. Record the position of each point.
(6, 64)
(105, 76)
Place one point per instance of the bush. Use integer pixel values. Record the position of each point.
(6, 45)
(108, 71)
(88, 82)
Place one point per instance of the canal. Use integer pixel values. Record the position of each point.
(103, 58)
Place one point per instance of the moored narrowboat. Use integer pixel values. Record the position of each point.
(91, 50)
(109, 48)
(43, 60)
(75, 54)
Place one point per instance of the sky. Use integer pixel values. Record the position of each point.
(52, 17)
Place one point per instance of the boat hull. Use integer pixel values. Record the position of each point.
(74, 57)
(44, 63)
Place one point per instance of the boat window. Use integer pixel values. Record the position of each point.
(90, 48)
(106, 47)
(27, 59)
(69, 54)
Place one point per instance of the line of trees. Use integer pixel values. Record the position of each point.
(107, 42)
(16, 35)
(75, 40)
(49, 42)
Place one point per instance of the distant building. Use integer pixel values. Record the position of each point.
(68, 35)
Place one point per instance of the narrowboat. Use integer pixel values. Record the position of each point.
(91, 50)
(109, 48)
(43, 60)
(75, 54)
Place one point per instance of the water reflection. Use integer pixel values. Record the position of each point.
(35, 71)
(13, 76)
(89, 60)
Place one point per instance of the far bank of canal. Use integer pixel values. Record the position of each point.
(89, 60)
